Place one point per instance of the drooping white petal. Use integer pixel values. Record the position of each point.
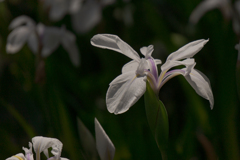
(68, 42)
(41, 144)
(17, 38)
(130, 66)
(113, 42)
(188, 51)
(50, 40)
(147, 51)
(189, 63)
(105, 147)
(204, 7)
(18, 156)
(201, 85)
(20, 21)
(87, 17)
(124, 91)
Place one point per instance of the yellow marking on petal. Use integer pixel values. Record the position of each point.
(161, 77)
(18, 157)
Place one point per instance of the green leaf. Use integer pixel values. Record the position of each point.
(157, 118)
(87, 141)
(238, 77)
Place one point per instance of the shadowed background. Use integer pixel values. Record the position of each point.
(50, 107)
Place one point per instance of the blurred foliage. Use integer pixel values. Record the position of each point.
(51, 108)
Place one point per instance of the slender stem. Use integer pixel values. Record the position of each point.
(164, 154)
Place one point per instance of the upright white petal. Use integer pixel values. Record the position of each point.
(68, 42)
(204, 7)
(147, 51)
(105, 147)
(27, 21)
(28, 152)
(41, 144)
(17, 38)
(87, 17)
(188, 51)
(113, 42)
(201, 85)
(130, 66)
(18, 156)
(124, 91)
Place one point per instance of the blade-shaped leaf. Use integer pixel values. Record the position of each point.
(238, 76)
(157, 118)
(105, 147)
(87, 141)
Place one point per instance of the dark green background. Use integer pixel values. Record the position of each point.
(51, 108)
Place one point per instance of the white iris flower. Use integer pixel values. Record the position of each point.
(41, 144)
(127, 88)
(40, 38)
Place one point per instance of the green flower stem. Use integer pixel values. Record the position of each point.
(158, 120)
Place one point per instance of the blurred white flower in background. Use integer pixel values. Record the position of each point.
(84, 14)
(41, 39)
(207, 5)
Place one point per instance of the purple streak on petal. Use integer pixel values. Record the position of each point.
(152, 80)
(153, 69)
(170, 75)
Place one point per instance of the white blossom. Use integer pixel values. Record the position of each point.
(40, 38)
(125, 90)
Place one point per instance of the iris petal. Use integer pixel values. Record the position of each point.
(17, 39)
(18, 156)
(51, 40)
(41, 144)
(171, 63)
(68, 42)
(124, 91)
(187, 51)
(113, 42)
(87, 17)
(130, 66)
(147, 51)
(201, 85)
(20, 21)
